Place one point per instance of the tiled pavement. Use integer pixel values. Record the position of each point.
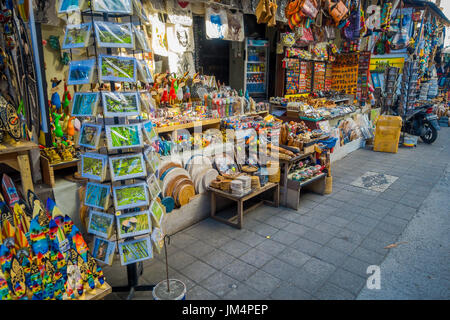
(321, 251)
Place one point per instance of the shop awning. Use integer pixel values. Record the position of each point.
(429, 4)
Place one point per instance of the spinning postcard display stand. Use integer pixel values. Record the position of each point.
(124, 215)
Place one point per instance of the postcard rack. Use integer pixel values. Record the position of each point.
(104, 136)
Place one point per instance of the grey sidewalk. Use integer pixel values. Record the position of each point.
(322, 251)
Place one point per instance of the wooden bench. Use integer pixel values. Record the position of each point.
(238, 220)
(17, 157)
(48, 170)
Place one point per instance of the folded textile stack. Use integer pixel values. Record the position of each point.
(241, 186)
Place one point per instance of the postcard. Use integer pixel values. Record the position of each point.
(101, 224)
(127, 167)
(85, 104)
(135, 251)
(93, 166)
(157, 212)
(67, 6)
(153, 159)
(154, 187)
(133, 224)
(113, 6)
(130, 196)
(90, 135)
(121, 104)
(141, 40)
(157, 240)
(97, 195)
(149, 131)
(103, 250)
(77, 36)
(81, 71)
(124, 136)
(114, 35)
(115, 68)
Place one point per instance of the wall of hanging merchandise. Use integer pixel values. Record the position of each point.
(19, 110)
(363, 73)
(345, 73)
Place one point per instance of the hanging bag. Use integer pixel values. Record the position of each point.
(262, 11)
(337, 11)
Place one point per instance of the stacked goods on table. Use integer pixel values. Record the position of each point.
(304, 171)
(316, 109)
(42, 253)
(297, 137)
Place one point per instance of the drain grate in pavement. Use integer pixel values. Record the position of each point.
(374, 181)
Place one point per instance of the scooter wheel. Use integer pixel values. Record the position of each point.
(431, 134)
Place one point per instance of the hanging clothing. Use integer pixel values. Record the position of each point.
(216, 23)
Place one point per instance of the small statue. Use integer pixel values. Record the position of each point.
(55, 99)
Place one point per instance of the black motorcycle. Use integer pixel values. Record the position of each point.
(422, 122)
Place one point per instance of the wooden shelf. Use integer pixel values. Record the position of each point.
(100, 293)
(190, 125)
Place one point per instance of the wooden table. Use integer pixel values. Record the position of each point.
(285, 166)
(17, 157)
(48, 169)
(238, 220)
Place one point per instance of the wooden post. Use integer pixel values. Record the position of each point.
(25, 172)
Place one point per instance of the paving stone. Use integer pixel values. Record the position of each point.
(392, 195)
(251, 238)
(369, 256)
(350, 235)
(330, 291)
(324, 208)
(263, 282)
(279, 269)
(188, 282)
(264, 230)
(382, 235)
(219, 283)
(360, 228)
(284, 237)
(182, 240)
(309, 221)
(307, 281)
(348, 281)
(338, 221)
(256, 257)
(318, 267)
(216, 239)
(236, 248)
(180, 259)
(198, 271)
(390, 228)
(277, 222)
(218, 259)
(328, 228)
(333, 203)
(271, 247)
(411, 201)
(289, 215)
(293, 257)
(287, 291)
(341, 245)
(239, 270)
(306, 246)
(200, 293)
(395, 221)
(244, 292)
(375, 245)
(331, 256)
(366, 221)
(296, 228)
(320, 237)
(199, 249)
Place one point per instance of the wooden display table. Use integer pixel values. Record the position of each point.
(285, 166)
(17, 157)
(48, 170)
(294, 188)
(238, 220)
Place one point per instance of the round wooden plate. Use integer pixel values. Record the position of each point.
(173, 173)
(190, 161)
(166, 166)
(184, 195)
(198, 180)
(171, 185)
(209, 176)
(180, 184)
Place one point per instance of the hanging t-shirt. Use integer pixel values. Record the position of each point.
(180, 38)
(179, 12)
(181, 63)
(216, 23)
(235, 26)
(159, 36)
